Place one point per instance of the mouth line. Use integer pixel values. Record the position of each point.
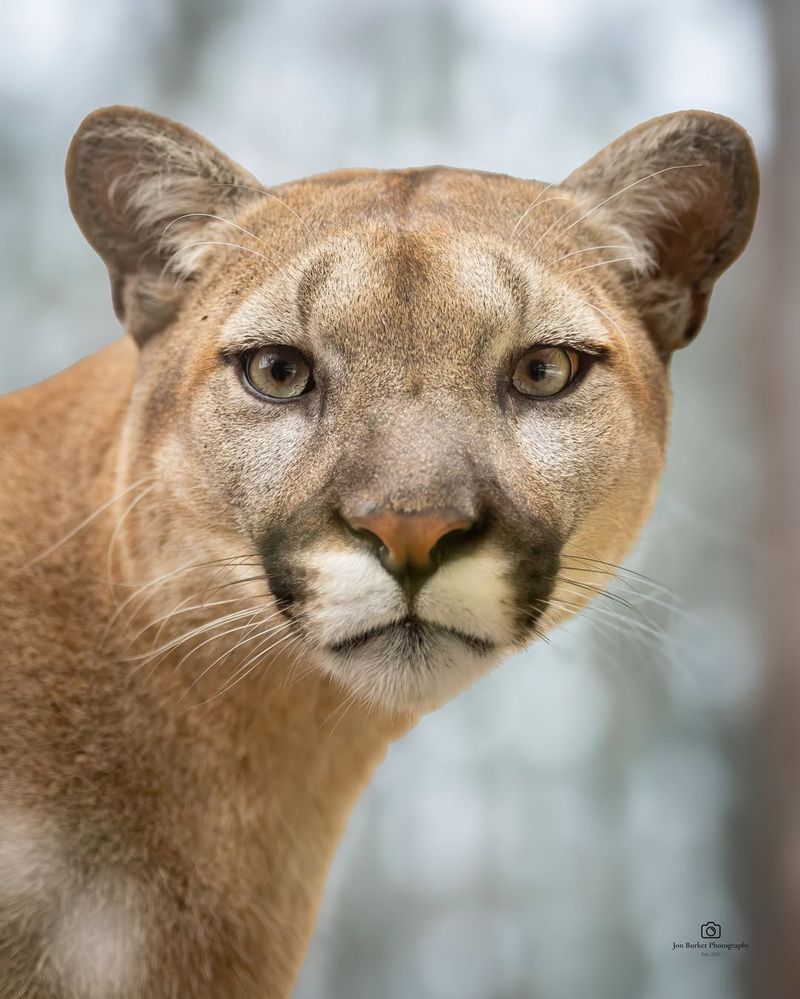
(415, 629)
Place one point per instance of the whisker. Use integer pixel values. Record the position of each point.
(76, 530)
(223, 562)
(200, 629)
(540, 204)
(220, 242)
(599, 263)
(346, 706)
(218, 218)
(159, 658)
(612, 621)
(606, 316)
(629, 187)
(528, 209)
(214, 638)
(238, 582)
(116, 532)
(183, 610)
(549, 229)
(546, 201)
(239, 676)
(273, 197)
(643, 627)
(227, 562)
(672, 605)
(588, 557)
(590, 249)
(597, 592)
(257, 652)
(234, 648)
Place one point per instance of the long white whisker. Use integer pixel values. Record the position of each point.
(220, 242)
(266, 637)
(546, 201)
(76, 530)
(173, 643)
(193, 607)
(610, 621)
(549, 229)
(228, 562)
(643, 626)
(674, 604)
(239, 676)
(589, 249)
(218, 218)
(272, 197)
(234, 648)
(629, 187)
(599, 263)
(116, 532)
(606, 316)
(588, 556)
(528, 209)
(347, 705)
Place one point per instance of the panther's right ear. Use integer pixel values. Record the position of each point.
(144, 189)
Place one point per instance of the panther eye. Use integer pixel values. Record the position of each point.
(545, 371)
(278, 372)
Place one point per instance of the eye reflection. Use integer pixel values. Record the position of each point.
(278, 372)
(545, 371)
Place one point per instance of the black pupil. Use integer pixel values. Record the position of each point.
(537, 370)
(283, 371)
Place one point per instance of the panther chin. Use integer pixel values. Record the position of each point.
(410, 665)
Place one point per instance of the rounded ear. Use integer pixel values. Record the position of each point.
(681, 191)
(142, 189)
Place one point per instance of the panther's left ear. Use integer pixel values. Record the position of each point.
(681, 190)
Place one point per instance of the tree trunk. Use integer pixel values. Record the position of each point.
(775, 348)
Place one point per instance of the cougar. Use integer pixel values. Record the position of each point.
(367, 434)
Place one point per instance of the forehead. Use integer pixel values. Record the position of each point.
(430, 286)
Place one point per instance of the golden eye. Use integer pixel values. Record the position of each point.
(278, 372)
(545, 371)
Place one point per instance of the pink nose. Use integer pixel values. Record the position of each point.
(408, 539)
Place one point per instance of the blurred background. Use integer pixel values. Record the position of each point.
(550, 834)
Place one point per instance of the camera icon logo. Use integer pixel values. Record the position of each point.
(710, 930)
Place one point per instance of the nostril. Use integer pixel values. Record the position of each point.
(411, 543)
(454, 541)
(361, 533)
(371, 538)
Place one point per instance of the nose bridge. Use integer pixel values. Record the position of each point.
(413, 459)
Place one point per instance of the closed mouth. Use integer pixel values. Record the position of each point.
(413, 630)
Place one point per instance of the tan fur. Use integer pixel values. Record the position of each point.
(167, 815)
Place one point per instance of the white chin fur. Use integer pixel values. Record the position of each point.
(390, 671)
(353, 594)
